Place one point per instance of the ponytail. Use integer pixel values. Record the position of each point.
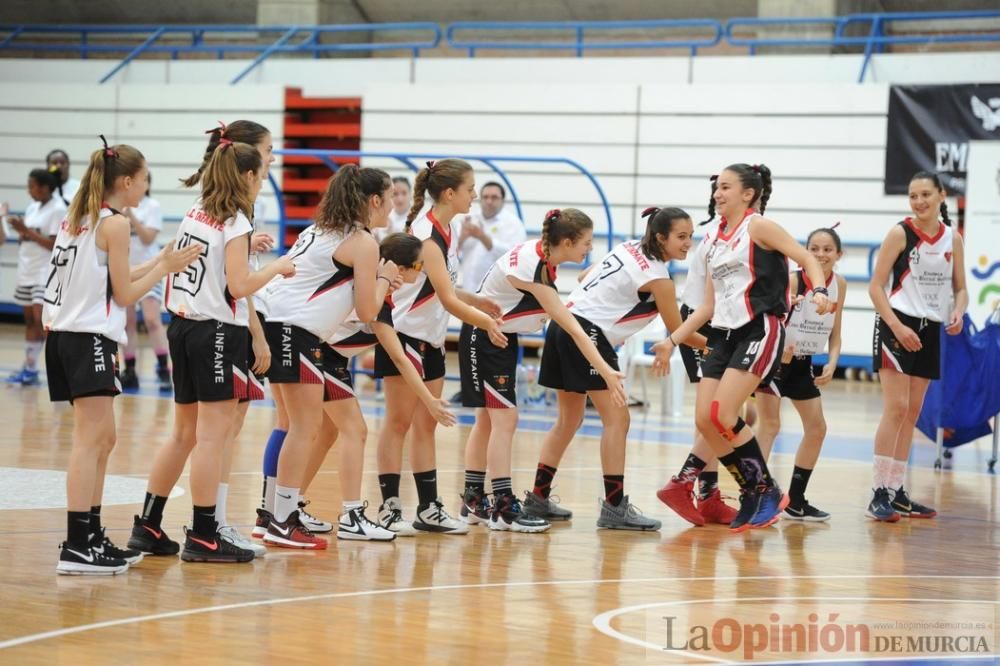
(944, 214)
(238, 131)
(224, 190)
(765, 181)
(711, 200)
(559, 225)
(437, 177)
(107, 165)
(345, 202)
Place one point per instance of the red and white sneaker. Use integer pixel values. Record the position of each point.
(679, 496)
(714, 510)
(292, 534)
(264, 518)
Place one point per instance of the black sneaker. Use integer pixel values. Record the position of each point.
(749, 502)
(907, 508)
(201, 549)
(100, 543)
(508, 516)
(880, 508)
(164, 381)
(88, 562)
(805, 512)
(153, 540)
(130, 380)
(476, 507)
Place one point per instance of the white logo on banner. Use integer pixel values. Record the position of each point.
(988, 113)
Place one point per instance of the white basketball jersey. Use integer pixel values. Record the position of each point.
(749, 281)
(609, 296)
(320, 295)
(921, 275)
(150, 214)
(417, 311)
(522, 312)
(693, 293)
(805, 328)
(354, 336)
(78, 294)
(199, 292)
(32, 258)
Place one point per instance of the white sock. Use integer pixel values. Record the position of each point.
(286, 500)
(896, 474)
(883, 469)
(270, 483)
(355, 504)
(220, 504)
(32, 350)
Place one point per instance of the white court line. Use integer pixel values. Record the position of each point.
(136, 619)
(602, 623)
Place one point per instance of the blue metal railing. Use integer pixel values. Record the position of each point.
(581, 36)
(407, 159)
(276, 39)
(579, 31)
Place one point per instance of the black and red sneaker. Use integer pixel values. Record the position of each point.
(153, 540)
(476, 507)
(292, 534)
(198, 548)
(264, 518)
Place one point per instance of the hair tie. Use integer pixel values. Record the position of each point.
(221, 129)
(652, 210)
(108, 151)
(430, 164)
(756, 168)
(552, 214)
(714, 177)
(224, 143)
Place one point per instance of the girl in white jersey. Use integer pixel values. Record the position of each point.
(146, 221)
(917, 285)
(694, 492)
(522, 282)
(420, 315)
(807, 333)
(183, 437)
(208, 339)
(746, 296)
(338, 271)
(36, 230)
(57, 162)
(87, 289)
(626, 290)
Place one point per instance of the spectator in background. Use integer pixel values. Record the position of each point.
(58, 159)
(487, 235)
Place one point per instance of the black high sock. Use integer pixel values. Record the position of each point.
(753, 463)
(389, 485)
(427, 486)
(78, 529)
(614, 488)
(708, 483)
(203, 524)
(95, 519)
(161, 361)
(691, 469)
(475, 481)
(543, 480)
(152, 509)
(130, 363)
(797, 489)
(731, 461)
(501, 486)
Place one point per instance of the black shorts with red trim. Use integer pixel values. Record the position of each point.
(336, 376)
(209, 359)
(754, 347)
(255, 384)
(425, 357)
(296, 354)
(793, 380)
(81, 365)
(565, 368)
(889, 353)
(693, 358)
(489, 373)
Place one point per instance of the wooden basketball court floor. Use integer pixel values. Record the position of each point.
(848, 591)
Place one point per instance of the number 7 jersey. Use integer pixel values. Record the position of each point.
(609, 296)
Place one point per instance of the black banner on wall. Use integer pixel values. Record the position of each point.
(930, 128)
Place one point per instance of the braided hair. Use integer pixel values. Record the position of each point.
(756, 177)
(559, 225)
(934, 178)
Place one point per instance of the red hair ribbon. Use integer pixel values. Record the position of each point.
(552, 213)
(652, 210)
(224, 143)
(221, 129)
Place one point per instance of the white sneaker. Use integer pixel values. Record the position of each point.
(355, 525)
(231, 535)
(390, 516)
(433, 518)
(312, 523)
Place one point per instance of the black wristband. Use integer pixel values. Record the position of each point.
(820, 290)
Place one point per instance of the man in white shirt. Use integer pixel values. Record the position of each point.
(487, 234)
